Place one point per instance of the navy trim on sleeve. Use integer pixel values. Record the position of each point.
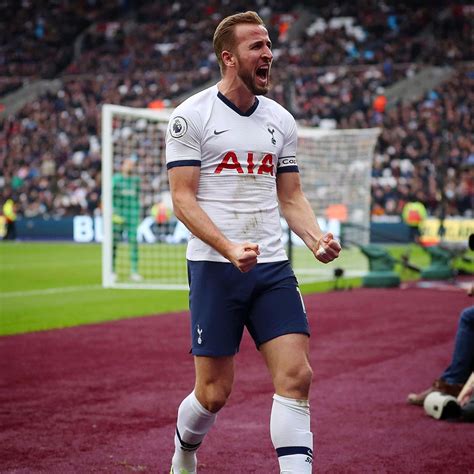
(174, 164)
(288, 169)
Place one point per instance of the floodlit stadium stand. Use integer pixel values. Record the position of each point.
(335, 66)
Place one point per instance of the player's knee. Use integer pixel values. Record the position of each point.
(295, 382)
(215, 396)
(302, 381)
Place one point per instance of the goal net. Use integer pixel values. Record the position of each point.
(144, 245)
(335, 168)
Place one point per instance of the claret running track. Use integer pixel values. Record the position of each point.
(103, 398)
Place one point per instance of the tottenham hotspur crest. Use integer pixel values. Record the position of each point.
(199, 332)
(178, 127)
(271, 131)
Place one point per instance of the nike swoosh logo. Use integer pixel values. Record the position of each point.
(221, 131)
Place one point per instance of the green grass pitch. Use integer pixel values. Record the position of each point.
(55, 285)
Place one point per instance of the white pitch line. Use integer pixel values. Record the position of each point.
(50, 291)
(39, 263)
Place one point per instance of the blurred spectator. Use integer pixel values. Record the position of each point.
(334, 73)
(37, 37)
(425, 148)
(9, 214)
(414, 214)
(461, 366)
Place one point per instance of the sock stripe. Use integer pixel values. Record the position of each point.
(290, 450)
(187, 446)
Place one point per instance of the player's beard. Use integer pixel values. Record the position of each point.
(249, 79)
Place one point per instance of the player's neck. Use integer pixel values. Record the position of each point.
(237, 93)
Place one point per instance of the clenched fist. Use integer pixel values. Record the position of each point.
(328, 248)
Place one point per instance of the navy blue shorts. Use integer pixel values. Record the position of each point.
(223, 301)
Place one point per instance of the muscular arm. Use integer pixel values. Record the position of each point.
(184, 181)
(301, 219)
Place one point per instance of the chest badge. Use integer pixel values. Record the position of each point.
(272, 131)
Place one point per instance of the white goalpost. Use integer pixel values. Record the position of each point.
(143, 243)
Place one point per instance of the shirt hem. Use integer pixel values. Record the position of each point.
(281, 258)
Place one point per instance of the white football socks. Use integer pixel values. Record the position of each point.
(291, 435)
(193, 423)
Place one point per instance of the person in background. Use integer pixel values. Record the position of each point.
(452, 380)
(413, 214)
(9, 213)
(126, 214)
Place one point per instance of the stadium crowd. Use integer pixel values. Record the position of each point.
(331, 73)
(37, 37)
(426, 153)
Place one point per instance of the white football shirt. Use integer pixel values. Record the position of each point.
(240, 155)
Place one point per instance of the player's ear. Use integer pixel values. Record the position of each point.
(228, 58)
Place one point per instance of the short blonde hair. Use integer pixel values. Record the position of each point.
(224, 38)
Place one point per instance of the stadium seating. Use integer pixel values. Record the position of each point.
(333, 67)
(37, 38)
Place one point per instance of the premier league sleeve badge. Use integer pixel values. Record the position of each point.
(178, 127)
